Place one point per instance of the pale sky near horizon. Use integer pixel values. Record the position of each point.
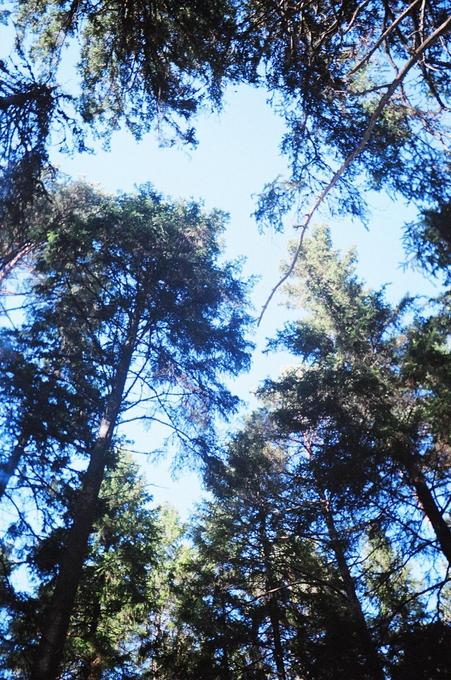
(236, 156)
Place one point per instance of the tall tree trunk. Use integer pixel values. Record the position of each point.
(373, 663)
(427, 502)
(225, 660)
(273, 606)
(92, 666)
(50, 650)
(8, 468)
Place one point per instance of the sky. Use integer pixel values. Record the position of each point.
(237, 154)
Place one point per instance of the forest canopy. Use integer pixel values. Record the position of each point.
(322, 550)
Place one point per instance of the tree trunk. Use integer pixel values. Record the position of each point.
(373, 664)
(225, 661)
(50, 650)
(12, 259)
(92, 667)
(273, 606)
(427, 502)
(8, 469)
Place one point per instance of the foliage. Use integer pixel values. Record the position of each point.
(371, 416)
(320, 553)
(362, 86)
(130, 307)
(114, 593)
(428, 242)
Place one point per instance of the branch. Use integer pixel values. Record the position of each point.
(357, 151)
(289, 270)
(382, 38)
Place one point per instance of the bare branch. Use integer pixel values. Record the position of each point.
(439, 31)
(379, 42)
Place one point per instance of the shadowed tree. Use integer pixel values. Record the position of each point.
(355, 388)
(139, 297)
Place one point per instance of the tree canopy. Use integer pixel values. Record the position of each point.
(322, 550)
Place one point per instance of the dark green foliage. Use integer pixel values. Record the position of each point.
(27, 107)
(140, 61)
(428, 241)
(333, 68)
(424, 653)
(371, 414)
(130, 304)
(301, 563)
(115, 594)
(360, 84)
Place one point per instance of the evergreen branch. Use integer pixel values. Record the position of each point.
(379, 42)
(439, 31)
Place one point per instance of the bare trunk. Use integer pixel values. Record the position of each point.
(11, 260)
(50, 650)
(8, 469)
(430, 508)
(373, 664)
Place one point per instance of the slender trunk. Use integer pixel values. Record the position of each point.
(50, 650)
(373, 664)
(225, 661)
(92, 667)
(8, 468)
(430, 508)
(273, 607)
(11, 260)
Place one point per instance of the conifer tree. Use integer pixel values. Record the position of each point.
(136, 298)
(355, 390)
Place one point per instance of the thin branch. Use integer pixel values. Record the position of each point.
(356, 152)
(379, 42)
(288, 272)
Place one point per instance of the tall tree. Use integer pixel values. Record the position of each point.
(266, 597)
(141, 286)
(114, 597)
(373, 420)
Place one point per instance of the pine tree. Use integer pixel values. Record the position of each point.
(373, 422)
(135, 297)
(114, 597)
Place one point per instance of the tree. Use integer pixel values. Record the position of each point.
(140, 286)
(373, 420)
(363, 89)
(362, 86)
(266, 595)
(114, 598)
